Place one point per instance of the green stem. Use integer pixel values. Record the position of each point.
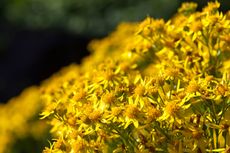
(217, 141)
(163, 90)
(161, 99)
(214, 112)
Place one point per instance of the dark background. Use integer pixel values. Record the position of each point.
(38, 37)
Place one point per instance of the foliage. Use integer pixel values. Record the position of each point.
(91, 17)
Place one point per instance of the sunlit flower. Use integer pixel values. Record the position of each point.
(153, 86)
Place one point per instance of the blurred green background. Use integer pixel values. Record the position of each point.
(86, 17)
(38, 37)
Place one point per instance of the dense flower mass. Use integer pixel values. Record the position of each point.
(154, 86)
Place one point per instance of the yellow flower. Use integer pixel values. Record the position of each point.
(174, 111)
(187, 8)
(193, 87)
(212, 7)
(132, 114)
(152, 114)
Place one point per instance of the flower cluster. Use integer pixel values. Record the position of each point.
(154, 86)
(20, 124)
